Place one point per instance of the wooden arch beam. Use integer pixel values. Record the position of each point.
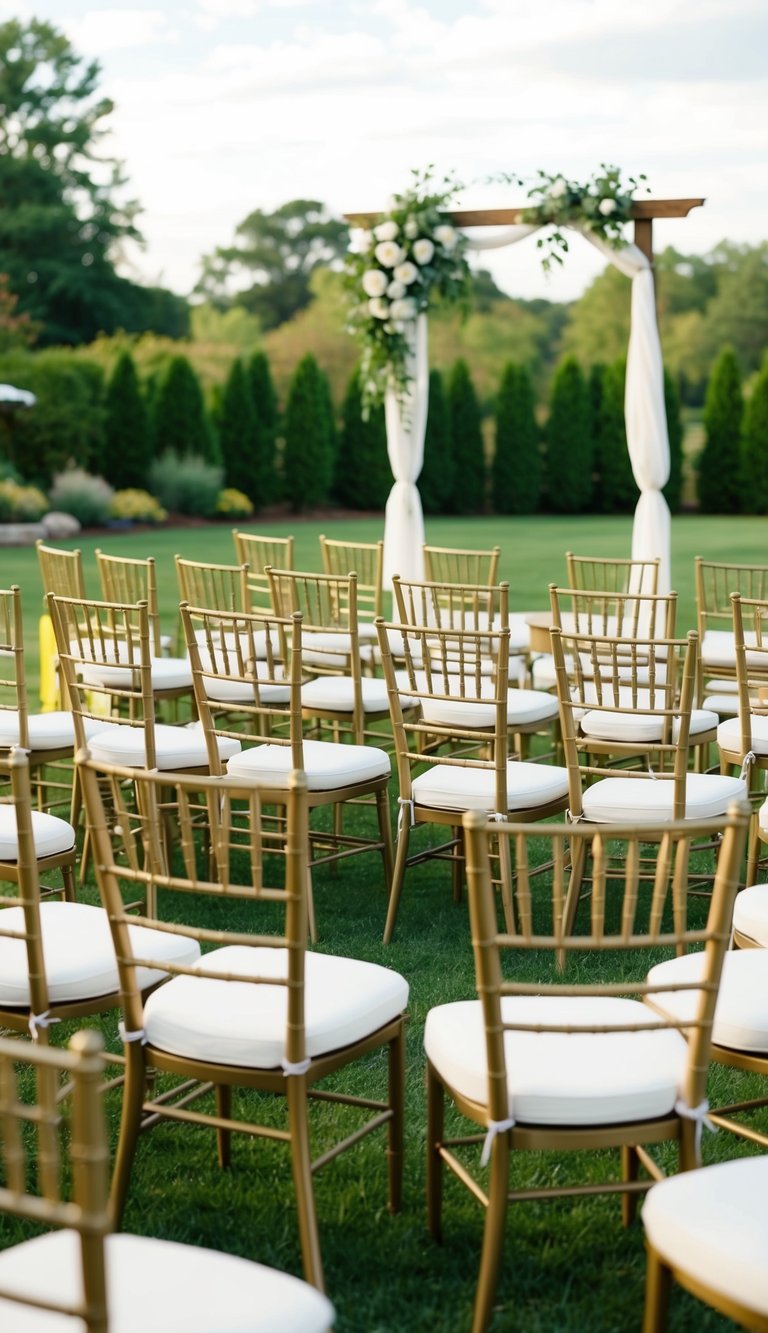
(643, 213)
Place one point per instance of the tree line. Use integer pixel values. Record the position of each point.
(570, 458)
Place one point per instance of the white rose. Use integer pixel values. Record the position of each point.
(411, 228)
(405, 309)
(388, 254)
(406, 273)
(558, 188)
(606, 207)
(445, 236)
(423, 250)
(386, 231)
(374, 282)
(395, 290)
(379, 308)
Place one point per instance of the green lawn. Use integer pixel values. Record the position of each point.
(569, 1265)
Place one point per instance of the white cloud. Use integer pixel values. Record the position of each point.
(100, 31)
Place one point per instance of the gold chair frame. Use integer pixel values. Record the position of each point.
(457, 564)
(604, 574)
(366, 559)
(135, 854)
(257, 551)
(715, 582)
(623, 934)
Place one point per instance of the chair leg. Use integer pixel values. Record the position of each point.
(435, 1130)
(630, 1165)
(493, 1235)
(578, 865)
(753, 851)
(224, 1136)
(298, 1121)
(68, 879)
(385, 833)
(690, 1146)
(396, 1077)
(130, 1126)
(457, 864)
(398, 875)
(658, 1282)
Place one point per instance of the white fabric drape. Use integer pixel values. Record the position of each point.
(406, 423)
(644, 410)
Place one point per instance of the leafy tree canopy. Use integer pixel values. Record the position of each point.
(267, 269)
(62, 204)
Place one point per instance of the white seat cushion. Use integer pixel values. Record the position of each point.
(729, 734)
(543, 672)
(327, 764)
(712, 1225)
(642, 728)
(222, 689)
(237, 1023)
(177, 747)
(741, 1015)
(79, 954)
(524, 707)
(562, 1078)
(336, 694)
(725, 705)
(762, 817)
(750, 913)
(168, 673)
(258, 639)
(329, 649)
(47, 731)
(650, 801)
(155, 1286)
(444, 787)
(718, 649)
(51, 835)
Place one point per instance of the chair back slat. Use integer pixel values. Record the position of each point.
(608, 574)
(126, 579)
(61, 571)
(221, 587)
(13, 684)
(366, 560)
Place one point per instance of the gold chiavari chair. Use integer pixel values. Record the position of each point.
(478, 608)
(640, 689)
(452, 697)
(455, 564)
(57, 960)
(743, 740)
(631, 617)
(258, 1011)
(257, 551)
(248, 676)
(129, 581)
(366, 559)
(539, 1064)
(61, 571)
(714, 584)
(602, 574)
(78, 1273)
(339, 694)
(220, 587)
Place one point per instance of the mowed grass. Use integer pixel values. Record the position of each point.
(568, 1264)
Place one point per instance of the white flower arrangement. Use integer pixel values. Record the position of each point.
(412, 256)
(602, 205)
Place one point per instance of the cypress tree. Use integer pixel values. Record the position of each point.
(238, 438)
(615, 489)
(307, 459)
(516, 470)
(673, 490)
(468, 491)
(569, 444)
(265, 408)
(436, 479)
(755, 447)
(129, 448)
(719, 483)
(329, 411)
(180, 421)
(362, 478)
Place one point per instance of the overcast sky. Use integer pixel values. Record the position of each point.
(223, 106)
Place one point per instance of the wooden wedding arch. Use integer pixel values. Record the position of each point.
(644, 400)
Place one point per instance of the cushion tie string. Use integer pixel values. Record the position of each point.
(571, 818)
(697, 1113)
(402, 802)
(127, 1037)
(748, 761)
(496, 818)
(38, 1022)
(650, 770)
(495, 1127)
(295, 1068)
